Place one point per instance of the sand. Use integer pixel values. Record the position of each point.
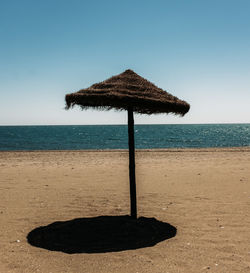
(204, 193)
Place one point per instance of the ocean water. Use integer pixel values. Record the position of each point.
(115, 136)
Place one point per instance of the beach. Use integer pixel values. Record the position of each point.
(203, 193)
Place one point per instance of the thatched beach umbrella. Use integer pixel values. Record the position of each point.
(128, 91)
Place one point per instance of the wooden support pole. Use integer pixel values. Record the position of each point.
(131, 143)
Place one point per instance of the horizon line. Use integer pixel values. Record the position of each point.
(207, 123)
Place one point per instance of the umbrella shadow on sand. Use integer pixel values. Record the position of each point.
(101, 234)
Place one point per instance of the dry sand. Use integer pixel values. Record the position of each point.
(204, 193)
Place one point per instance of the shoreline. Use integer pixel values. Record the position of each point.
(207, 149)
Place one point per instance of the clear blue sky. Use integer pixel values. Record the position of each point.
(197, 50)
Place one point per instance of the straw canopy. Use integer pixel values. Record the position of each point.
(128, 90)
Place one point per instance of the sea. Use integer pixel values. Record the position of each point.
(102, 137)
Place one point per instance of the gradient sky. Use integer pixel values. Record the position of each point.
(197, 50)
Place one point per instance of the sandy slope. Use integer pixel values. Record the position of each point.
(205, 194)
